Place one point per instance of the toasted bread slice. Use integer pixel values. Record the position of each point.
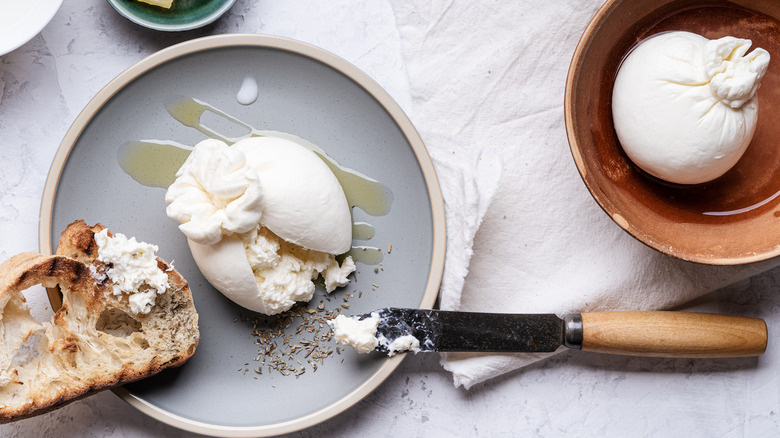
(94, 341)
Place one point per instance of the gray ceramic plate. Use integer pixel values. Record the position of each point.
(301, 90)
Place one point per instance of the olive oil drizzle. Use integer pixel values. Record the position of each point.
(154, 163)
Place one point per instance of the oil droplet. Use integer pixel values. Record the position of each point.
(153, 163)
(248, 92)
(189, 111)
(362, 231)
(186, 111)
(366, 255)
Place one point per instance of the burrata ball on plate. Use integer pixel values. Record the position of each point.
(263, 219)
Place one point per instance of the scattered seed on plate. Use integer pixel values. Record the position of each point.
(285, 352)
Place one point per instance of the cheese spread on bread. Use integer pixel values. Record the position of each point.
(94, 341)
(132, 267)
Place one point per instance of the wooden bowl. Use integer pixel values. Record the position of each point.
(732, 220)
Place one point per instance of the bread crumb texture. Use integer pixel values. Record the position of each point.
(94, 341)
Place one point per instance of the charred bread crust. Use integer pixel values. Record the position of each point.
(77, 353)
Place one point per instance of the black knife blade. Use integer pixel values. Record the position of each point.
(444, 331)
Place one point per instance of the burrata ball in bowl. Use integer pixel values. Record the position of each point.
(724, 215)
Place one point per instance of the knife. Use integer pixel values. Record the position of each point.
(652, 333)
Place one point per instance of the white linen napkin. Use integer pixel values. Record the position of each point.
(487, 84)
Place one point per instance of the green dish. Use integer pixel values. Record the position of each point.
(183, 15)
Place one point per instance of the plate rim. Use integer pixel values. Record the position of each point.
(362, 80)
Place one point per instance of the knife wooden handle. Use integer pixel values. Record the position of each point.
(673, 334)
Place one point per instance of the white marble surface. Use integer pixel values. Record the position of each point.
(45, 83)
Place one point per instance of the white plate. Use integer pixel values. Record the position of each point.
(21, 20)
